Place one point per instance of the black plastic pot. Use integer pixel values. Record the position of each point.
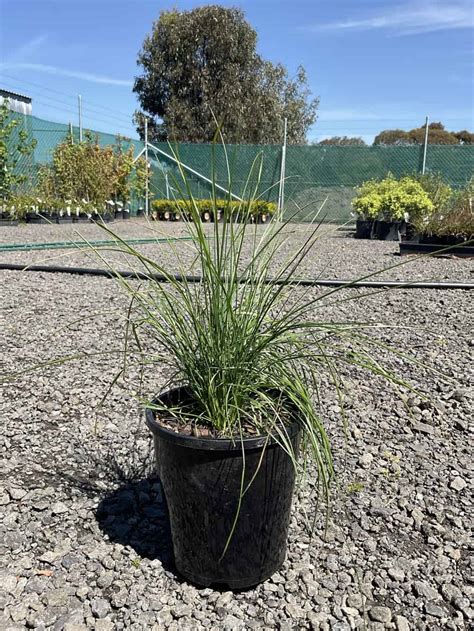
(364, 229)
(436, 249)
(39, 219)
(202, 480)
(389, 230)
(80, 218)
(8, 222)
(442, 240)
(64, 219)
(118, 214)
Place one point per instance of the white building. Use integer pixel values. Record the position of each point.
(17, 102)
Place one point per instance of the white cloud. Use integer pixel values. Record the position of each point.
(409, 19)
(26, 50)
(83, 76)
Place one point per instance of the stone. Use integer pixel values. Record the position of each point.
(104, 624)
(450, 592)
(396, 574)
(105, 580)
(57, 597)
(58, 508)
(181, 610)
(424, 590)
(366, 460)
(424, 428)
(402, 623)
(231, 622)
(434, 610)
(16, 494)
(380, 614)
(99, 607)
(458, 484)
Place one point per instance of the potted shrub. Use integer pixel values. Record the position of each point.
(118, 211)
(245, 354)
(452, 224)
(389, 204)
(8, 216)
(366, 205)
(65, 212)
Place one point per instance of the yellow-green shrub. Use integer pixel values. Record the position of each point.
(392, 200)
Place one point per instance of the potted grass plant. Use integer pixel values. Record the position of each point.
(245, 354)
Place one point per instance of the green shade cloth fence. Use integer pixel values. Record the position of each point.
(313, 172)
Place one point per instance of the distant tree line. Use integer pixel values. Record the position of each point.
(437, 135)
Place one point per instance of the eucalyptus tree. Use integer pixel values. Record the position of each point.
(201, 70)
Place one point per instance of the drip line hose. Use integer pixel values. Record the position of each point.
(64, 245)
(303, 282)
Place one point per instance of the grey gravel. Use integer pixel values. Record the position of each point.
(85, 542)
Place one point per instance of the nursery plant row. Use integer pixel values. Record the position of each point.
(424, 213)
(35, 211)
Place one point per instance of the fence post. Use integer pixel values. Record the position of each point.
(425, 146)
(281, 191)
(146, 168)
(79, 102)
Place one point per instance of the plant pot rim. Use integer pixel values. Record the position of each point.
(212, 444)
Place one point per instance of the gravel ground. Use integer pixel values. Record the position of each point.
(335, 255)
(85, 541)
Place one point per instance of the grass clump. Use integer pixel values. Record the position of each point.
(245, 341)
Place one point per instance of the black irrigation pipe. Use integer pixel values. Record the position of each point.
(303, 282)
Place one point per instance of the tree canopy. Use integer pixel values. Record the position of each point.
(201, 70)
(437, 135)
(343, 141)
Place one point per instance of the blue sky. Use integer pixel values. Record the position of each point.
(375, 64)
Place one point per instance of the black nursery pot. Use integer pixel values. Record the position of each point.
(201, 479)
(364, 229)
(389, 230)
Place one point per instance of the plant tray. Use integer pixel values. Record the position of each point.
(8, 222)
(412, 247)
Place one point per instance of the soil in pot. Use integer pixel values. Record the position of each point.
(202, 480)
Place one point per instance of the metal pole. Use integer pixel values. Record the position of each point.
(147, 167)
(193, 171)
(168, 186)
(425, 147)
(79, 100)
(281, 192)
(71, 133)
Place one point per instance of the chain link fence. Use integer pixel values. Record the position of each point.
(314, 173)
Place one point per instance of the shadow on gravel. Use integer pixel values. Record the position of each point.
(136, 515)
